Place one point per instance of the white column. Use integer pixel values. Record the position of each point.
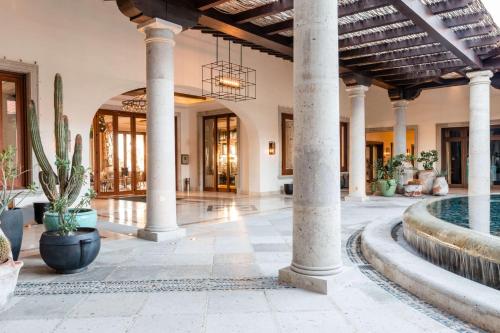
(316, 200)
(161, 221)
(400, 126)
(357, 144)
(479, 132)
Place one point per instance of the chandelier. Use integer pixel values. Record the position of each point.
(137, 104)
(228, 81)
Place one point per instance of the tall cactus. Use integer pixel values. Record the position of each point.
(67, 182)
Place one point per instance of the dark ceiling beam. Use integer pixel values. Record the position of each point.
(473, 32)
(413, 76)
(434, 26)
(207, 4)
(374, 22)
(449, 6)
(463, 20)
(263, 11)
(421, 67)
(414, 61)
(478, 42)
(360, 6)
(276, 28)
(245, 35)
(379, 36)
(395, 55)
(183, 13)
(399, 45)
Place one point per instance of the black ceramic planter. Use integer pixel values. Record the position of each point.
(70, 254)
(12, 227)
(288, 189)
(39, 209)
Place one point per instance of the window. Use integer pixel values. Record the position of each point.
(287, 145)
(13, 119)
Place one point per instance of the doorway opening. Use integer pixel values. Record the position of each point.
(221, 153)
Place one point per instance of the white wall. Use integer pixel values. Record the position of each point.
(100, 54)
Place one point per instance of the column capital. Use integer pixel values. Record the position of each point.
(159, 31)
(357, 90)
(479, 77)
(402, 103)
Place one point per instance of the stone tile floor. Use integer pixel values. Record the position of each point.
(220, 278)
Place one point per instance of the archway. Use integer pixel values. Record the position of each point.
(118, 144)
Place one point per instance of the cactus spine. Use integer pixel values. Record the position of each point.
(67, 182)
(4, 249)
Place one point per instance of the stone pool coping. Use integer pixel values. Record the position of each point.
(421, 222)
(466, 299)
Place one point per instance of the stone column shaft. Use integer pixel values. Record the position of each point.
(479, 133)
(161, 221)
(400, 108)
(357, 144)
(316, 207)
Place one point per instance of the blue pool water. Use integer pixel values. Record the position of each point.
(472, 213)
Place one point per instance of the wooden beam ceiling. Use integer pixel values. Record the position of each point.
(263, 11)
(437, 29)
(207, 4)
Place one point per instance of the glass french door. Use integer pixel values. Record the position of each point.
(455, 151)
(119, 153)
(220, 150)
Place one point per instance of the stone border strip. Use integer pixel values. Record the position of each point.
(468, 300)
(145, 286)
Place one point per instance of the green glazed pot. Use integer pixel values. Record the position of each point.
(86, 218)
(387, 187)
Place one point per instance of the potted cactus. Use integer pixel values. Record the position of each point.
(71, 241)
(11, 218)
(9, 271)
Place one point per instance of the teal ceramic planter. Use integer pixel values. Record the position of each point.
(86, 218)
(387, 187)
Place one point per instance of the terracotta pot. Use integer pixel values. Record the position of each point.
(427, 178)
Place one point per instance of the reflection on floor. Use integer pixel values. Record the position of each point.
(220, 278)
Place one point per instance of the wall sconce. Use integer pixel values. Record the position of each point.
(272, 148)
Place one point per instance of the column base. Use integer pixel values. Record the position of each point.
(318, 284)
(356, 198)
(161, 236)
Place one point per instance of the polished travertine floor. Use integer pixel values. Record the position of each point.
(229, 242)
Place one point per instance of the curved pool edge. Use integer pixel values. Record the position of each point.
(418, 220)
(466, 299)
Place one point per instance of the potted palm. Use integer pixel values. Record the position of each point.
(428, 175)
(71, 241)
(11, 218)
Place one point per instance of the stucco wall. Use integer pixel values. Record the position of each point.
(100, 54)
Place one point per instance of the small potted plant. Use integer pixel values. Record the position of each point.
(388, 175)
(440, 186)
(71, 241)
(9, 270)
(427, 176)
(11, 218)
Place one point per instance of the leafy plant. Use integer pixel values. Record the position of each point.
(9, 172)
(428, 158)
(67, 217)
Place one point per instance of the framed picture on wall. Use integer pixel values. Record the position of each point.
(184, 159)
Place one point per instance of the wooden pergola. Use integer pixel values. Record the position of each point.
(403, 46)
